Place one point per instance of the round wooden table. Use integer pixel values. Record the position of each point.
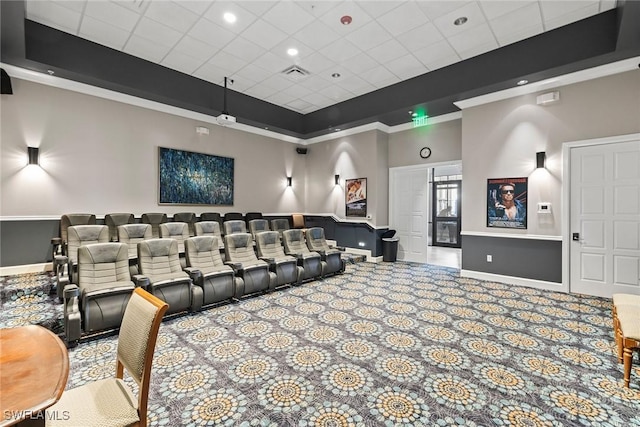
(34, 366)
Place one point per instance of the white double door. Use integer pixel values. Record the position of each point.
(605, 218)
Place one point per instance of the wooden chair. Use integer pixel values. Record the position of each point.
(110, 401)
(626, 325)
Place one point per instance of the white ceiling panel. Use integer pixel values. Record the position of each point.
(105, 34)
(112, 14)
(386, 42)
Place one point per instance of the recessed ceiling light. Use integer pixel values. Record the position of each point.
(523, 82)
(460, 21)
(335, 75)
(229, 17)
(292, 51)
(337, 129)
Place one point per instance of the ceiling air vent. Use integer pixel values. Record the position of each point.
(295, 73)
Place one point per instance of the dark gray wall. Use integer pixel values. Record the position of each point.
(525, 258)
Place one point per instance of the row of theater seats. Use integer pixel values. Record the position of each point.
(96, 277)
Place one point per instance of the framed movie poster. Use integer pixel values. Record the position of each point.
(356, 197)
(188, 178)
(507, 203)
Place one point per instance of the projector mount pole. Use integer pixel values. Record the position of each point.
(224, 106)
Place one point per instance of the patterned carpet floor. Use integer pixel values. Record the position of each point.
(390, 344)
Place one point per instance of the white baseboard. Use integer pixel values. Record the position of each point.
(519, 281)
(24, 269)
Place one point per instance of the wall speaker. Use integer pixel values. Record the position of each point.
(301, 150)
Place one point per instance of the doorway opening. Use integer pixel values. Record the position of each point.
(446, 206)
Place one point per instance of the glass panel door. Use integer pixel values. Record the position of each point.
(446, 213)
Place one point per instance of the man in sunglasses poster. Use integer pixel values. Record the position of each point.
(507, 203)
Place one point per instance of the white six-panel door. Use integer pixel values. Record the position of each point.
(409, 213)
(605, 219)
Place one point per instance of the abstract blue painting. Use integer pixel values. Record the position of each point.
(189, 178)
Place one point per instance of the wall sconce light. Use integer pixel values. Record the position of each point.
(541, 158)
(33, 155)
(337, 178)
(288, 181)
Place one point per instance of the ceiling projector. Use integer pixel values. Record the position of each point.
(226, 120)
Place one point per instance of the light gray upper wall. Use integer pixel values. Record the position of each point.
(382, 179)
(352, 156)
(101, 156)
(500, 140)
(444, 139)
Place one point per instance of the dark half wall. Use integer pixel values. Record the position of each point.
(524, 258)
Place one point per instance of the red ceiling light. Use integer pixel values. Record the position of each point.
(346, 20)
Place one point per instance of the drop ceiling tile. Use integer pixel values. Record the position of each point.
(356, 85)
(212, 73)
(113, 14)
(497, 8)
(259, 7)
(523, 33)
(54, 15)
(277, 81)
(159, 33)
(471, 11)
(77, 5)
(402, 19)
(103, 33)
(181, 62)
(607, 5)
(261, 91)
(437, 54)
(271, 63)
(242, 47)
(573, 16)
(406, 67)
(521, 21)
(478, 49)
(358, 15)
(210, 33)
(318, 8)
(280, 98)
(217, 10)
(337, 93)
(436, 9)
(316, 35)
(252, 72)
(359, 63)
(298, 91)
(387, 51)
(195, 48)
(340, 50)
(472, 39)
(281, 50)
(227, 61)
(137, 6)
(264, 34)
(316, 83)
(146, 49)
(318, 99)
(556, 9)
(420, 37)
(377, 8)
(298, 105)
(196, 6)
(368, 36)
(378, 75)
(288, 17)
(316, 63)
(172, 15)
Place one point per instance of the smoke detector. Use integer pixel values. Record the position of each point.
(295, 73)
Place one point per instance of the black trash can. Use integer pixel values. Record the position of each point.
(389, 246)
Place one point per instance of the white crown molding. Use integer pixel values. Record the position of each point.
(552, 83)
(511, 236)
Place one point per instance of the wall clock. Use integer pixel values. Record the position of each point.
(425, 152)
